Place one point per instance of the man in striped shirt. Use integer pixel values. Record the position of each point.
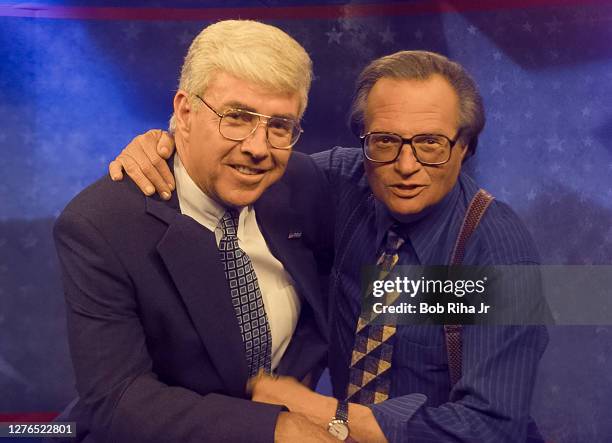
(418, 116)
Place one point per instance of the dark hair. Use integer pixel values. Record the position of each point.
(421, 65)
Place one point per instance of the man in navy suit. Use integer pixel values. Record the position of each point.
(418, 116)
(173, 305)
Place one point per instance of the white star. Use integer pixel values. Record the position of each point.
(553, 26)
(497, 115)
(555, 167)
(472, 29)
(185, 38)
(530, 143)
(333, 36)
(29, 241)
(555, 143)
(131, 31)
(527, 27)
(497, 86)
(503, 141)
(502, 163)
(531, 195)
(387, 36)
(586, 111)
(497, 56)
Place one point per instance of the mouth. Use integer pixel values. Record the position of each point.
(406, 190)
(246, 170)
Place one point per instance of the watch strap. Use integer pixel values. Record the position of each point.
(342, 411)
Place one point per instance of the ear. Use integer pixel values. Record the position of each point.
(182, 113)
(464, 151)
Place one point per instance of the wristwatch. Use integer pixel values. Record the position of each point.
(338, 426)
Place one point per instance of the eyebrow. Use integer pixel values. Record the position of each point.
(234, 104)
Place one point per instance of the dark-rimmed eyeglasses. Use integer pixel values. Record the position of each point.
(239, 124)
(428, 149)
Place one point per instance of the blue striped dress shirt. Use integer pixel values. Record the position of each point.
(491, 401)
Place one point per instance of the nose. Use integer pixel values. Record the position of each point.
(406, 164)
(256, 144)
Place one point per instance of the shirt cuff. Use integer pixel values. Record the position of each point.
(392, 415)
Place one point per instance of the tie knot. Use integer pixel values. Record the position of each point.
(394, 241)
(229, 223)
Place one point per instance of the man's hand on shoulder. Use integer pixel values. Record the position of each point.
(144, 160)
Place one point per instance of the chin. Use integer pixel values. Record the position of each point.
(241, 198)
(405, 207)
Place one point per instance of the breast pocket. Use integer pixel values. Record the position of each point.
(420, 363)
(421, 348)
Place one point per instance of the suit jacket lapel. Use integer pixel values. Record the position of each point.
(281, 226)
(190, 254)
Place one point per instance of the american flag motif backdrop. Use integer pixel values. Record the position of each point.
(78, 79)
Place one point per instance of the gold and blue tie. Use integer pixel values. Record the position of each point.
(370, 369)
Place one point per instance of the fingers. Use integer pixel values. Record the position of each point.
(115, 170)
(132, 169)
(165, 145)
(146, 166)
(164, 150)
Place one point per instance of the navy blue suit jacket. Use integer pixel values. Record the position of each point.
(155, 343)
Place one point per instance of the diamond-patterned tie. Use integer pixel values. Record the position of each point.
(246, 297)
(369, 373)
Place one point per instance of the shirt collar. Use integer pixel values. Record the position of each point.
(424, 229)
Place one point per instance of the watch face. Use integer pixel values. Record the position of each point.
(338, 429)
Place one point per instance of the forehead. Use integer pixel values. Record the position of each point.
(227, 90)
(410, 107)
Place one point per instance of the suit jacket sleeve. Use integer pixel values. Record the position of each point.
(123, 399)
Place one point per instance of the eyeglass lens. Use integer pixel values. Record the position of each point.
(429, 148)
(238, 125)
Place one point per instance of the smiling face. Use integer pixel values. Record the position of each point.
(407, 108)
(232, 173)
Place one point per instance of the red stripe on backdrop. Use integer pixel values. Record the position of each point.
(28, 417)
(285, 12)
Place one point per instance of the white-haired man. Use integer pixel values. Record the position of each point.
(403, 199)
(174, 305)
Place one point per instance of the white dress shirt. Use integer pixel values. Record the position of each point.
(277, 288)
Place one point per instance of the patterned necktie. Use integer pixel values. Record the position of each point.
(369, 373)
(246, 297)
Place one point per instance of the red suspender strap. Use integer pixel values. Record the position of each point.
(473, 215)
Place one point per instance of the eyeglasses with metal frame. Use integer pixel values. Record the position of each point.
(428, 149)
(239, 124)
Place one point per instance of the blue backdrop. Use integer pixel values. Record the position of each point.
(76, 84)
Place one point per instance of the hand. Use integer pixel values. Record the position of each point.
(295, 396)
(292, 427)
(144, 160)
